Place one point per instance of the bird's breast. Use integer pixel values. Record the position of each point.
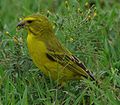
(37, 50)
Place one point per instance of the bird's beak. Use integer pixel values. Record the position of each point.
(21, 25)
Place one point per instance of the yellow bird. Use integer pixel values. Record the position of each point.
(48, 53)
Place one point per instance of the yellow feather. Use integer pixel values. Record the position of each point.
(37, 50)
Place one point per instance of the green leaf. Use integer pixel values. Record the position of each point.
(24, 99)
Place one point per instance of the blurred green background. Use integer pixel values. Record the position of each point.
(88, 28)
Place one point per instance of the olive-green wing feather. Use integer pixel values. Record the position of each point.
(57, 53)
(71, 63)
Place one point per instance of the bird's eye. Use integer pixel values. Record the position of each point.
(29, 21)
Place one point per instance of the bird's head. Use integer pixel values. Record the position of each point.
(36, 24)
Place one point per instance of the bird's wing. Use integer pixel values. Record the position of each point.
(70, 62)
